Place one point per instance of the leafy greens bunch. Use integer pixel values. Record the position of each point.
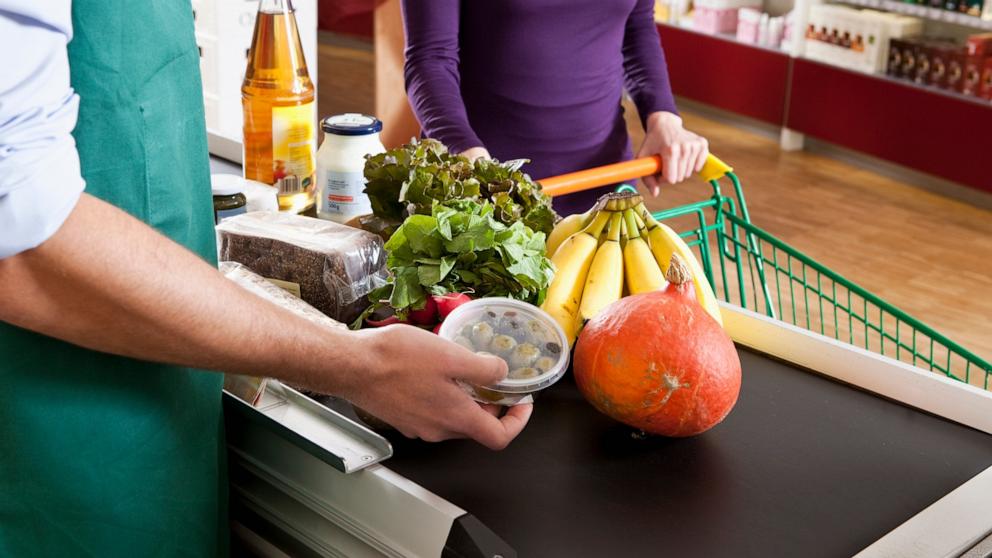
(462, 247)
(408, 181)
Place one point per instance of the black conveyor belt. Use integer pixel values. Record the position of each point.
(803, 466)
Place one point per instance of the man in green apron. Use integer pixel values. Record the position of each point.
(110, 435)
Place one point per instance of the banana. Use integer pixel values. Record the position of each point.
(665, 242)
(604, 283)
(640, 268)
(572, 261)
(566, 228)
(571, 324)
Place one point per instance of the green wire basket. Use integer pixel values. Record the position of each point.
(759, 272)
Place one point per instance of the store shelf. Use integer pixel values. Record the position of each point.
(911, 125)
(723, 72)
(925, 12)
(728, 36)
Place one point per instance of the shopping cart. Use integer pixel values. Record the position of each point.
(757, 271)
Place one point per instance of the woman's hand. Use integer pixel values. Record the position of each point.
(474, 153)
(682, 152)
(409, 382)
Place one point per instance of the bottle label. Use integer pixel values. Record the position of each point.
(343, 192)
(294, 143)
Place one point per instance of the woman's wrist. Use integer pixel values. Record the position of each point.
(661, 119)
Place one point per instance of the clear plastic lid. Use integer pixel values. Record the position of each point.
(527, 338)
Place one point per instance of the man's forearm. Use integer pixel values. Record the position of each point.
(108, 282)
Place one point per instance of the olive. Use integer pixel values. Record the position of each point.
(553, 348)
(490, 317)
(513, 326)
(503, 345)
(465, 342)
(523, 355)
(482, 335)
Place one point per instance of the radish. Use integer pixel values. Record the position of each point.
(426, 315)
(446, 303)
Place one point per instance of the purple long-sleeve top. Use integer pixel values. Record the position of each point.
(535, 79)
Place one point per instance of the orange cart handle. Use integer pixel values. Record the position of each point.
(714, 169)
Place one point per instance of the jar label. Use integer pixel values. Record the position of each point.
(343, 192)
(294, 143)
(221, 214)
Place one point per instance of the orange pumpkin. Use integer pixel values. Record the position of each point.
(659, 362)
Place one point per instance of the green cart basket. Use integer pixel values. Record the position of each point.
(751, 268)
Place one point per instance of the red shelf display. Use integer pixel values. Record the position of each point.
(940, 134)
(721, 72)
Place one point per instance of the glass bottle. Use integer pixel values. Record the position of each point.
(277, 95)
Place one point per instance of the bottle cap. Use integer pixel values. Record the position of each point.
(351, 124)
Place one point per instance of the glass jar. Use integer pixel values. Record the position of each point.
(348, 138)
(229, 200)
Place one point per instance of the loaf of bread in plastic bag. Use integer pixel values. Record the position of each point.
(333, 266)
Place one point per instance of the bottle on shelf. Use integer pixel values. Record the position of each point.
(278, 98)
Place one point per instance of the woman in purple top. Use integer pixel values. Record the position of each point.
(543, 80)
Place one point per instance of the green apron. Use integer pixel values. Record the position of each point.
(102, 455)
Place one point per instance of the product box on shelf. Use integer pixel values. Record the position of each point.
(985, 86)
(898, 49)
(955, 71)
(971, 7)
(978, 49)
(924, 54)
(941, 53)
(748, 22)
(708, 20)
(971, 81)
(719, 16)
(979, 45)
(855, 39)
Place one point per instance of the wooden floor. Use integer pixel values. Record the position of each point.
(927, 254)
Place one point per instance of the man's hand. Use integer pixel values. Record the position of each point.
(474, 153)
(682, 152)
(410, 382)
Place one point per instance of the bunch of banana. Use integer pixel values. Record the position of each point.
(615, 248)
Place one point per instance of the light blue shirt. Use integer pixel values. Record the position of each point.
(40, 180)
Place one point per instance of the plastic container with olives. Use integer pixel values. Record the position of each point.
(526, 337)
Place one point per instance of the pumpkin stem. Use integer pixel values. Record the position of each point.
(678, 273)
